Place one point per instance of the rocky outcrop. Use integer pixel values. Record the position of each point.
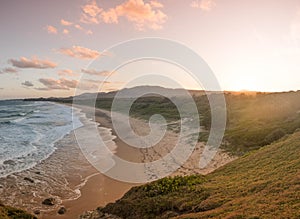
(49, 201)
(62, 210)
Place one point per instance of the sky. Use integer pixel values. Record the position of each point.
(48, 48)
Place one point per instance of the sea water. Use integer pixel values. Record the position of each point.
(29, 130)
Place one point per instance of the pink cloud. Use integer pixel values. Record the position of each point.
(8, 70)
(143, 15)
(91, 11)
(32, 63)
(60, 84)
(110, 16)
(77, 26)
(51, 29)
(65, 84)
(156, 4)
(98, 82)
(80, 52)
(65, 23)
(205, 5)
(95, 72)
(65, 31)
(67, 72)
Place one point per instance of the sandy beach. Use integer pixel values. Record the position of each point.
(75, 184)
(159, 150)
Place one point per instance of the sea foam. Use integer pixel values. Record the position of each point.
(28, 132)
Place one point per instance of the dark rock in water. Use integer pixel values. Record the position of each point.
(9, 162)
(36, 211)
(38, 172)
(49, 201)
(62, 210)
(29, 179)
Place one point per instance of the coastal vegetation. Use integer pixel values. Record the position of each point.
(261, 184)
(7, 212)
(253, 119)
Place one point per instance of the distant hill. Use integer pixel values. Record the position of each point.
(261, 184)
(126, 93)
(134, 91)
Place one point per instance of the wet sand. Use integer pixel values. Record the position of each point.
(67, 173)
(67, 177)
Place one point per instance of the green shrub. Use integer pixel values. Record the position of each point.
(171, 184)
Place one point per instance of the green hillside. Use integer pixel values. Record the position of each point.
(261, 184)
(256, 121)
(253, 120)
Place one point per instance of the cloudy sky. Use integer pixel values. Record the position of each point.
(47, 46)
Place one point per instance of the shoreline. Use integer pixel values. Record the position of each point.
(96, 189)
(142, 155)
(65, 175)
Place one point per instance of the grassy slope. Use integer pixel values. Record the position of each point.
(13, 213)
(262, 184)
(253, 121)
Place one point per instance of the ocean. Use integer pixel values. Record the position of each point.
(29, 131)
